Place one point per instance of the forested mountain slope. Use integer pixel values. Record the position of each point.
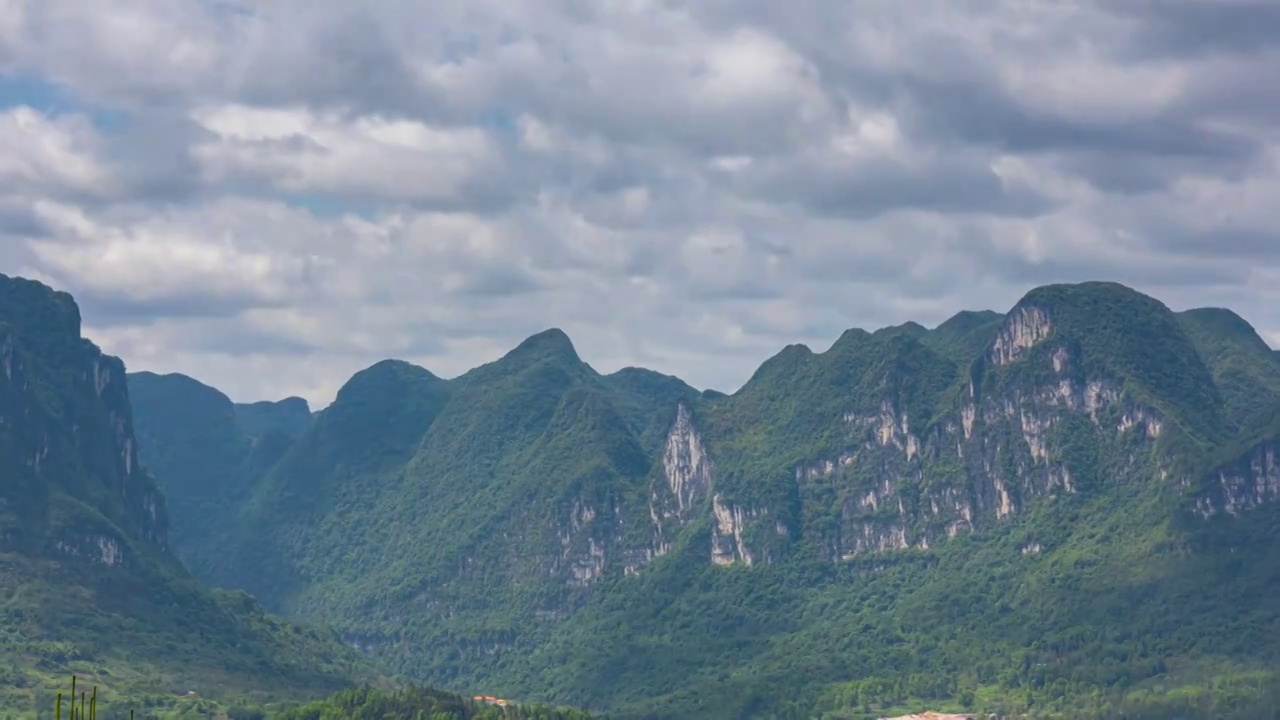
(1053, 507)
(208, 453)
(418, 702)
(88, 583)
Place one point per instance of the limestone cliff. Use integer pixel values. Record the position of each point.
(74, 485)
(1044, 412)
(1246, 483)
(680, 492)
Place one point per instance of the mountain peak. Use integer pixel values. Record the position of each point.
(550, 343)
(639, 377)
(46, 318)
(909, 328)
(384, 376)
(848, 338)
(290, 416)
(145, 381)
(1092, 292)
(1225, 324)
(84, 528)
(67, 429)
(295, 403)
(785, 363)
(1125, 334)
(964, 335)
(1103, 312)
(966, 320)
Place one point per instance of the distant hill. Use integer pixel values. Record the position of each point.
(209, 452)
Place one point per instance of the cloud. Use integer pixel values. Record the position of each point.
(48, 156)
(1212, 27)
(139, 265)
(297, 151)
(272, 196)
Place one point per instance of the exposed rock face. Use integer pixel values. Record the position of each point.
(74, 485)
(84, 539)
(1033, 425)
(1252, 481)
(584, 554)
(679, 496)
(727, 543)
(1024, 329)
(102, 549)
(141, 501)
(892, 487)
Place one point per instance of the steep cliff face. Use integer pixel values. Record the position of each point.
(1249, 482)
(1026, 327)
(684, 492)
(680, 493)
(77, 486)
(980, 462)
(1032, 419)
(87, 579)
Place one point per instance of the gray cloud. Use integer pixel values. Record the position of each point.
(289, 191)
(1182, 29)
(151, 157)
(862, 188)
(19, 221)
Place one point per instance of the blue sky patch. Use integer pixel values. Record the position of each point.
(53, 100)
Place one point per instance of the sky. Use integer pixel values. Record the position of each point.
(270, 196)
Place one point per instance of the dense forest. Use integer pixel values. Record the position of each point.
(417, 702)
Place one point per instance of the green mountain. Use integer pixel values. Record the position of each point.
(88, 582)
(208, 453)
(289, 417)
(1068, 508)
(1243, 366)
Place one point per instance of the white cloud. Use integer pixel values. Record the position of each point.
(146, 50)
(43, 156)
(303, 152)
(140, 258)
(1088, 87)
(289, 191)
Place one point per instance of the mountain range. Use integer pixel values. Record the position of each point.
(1066, 508)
